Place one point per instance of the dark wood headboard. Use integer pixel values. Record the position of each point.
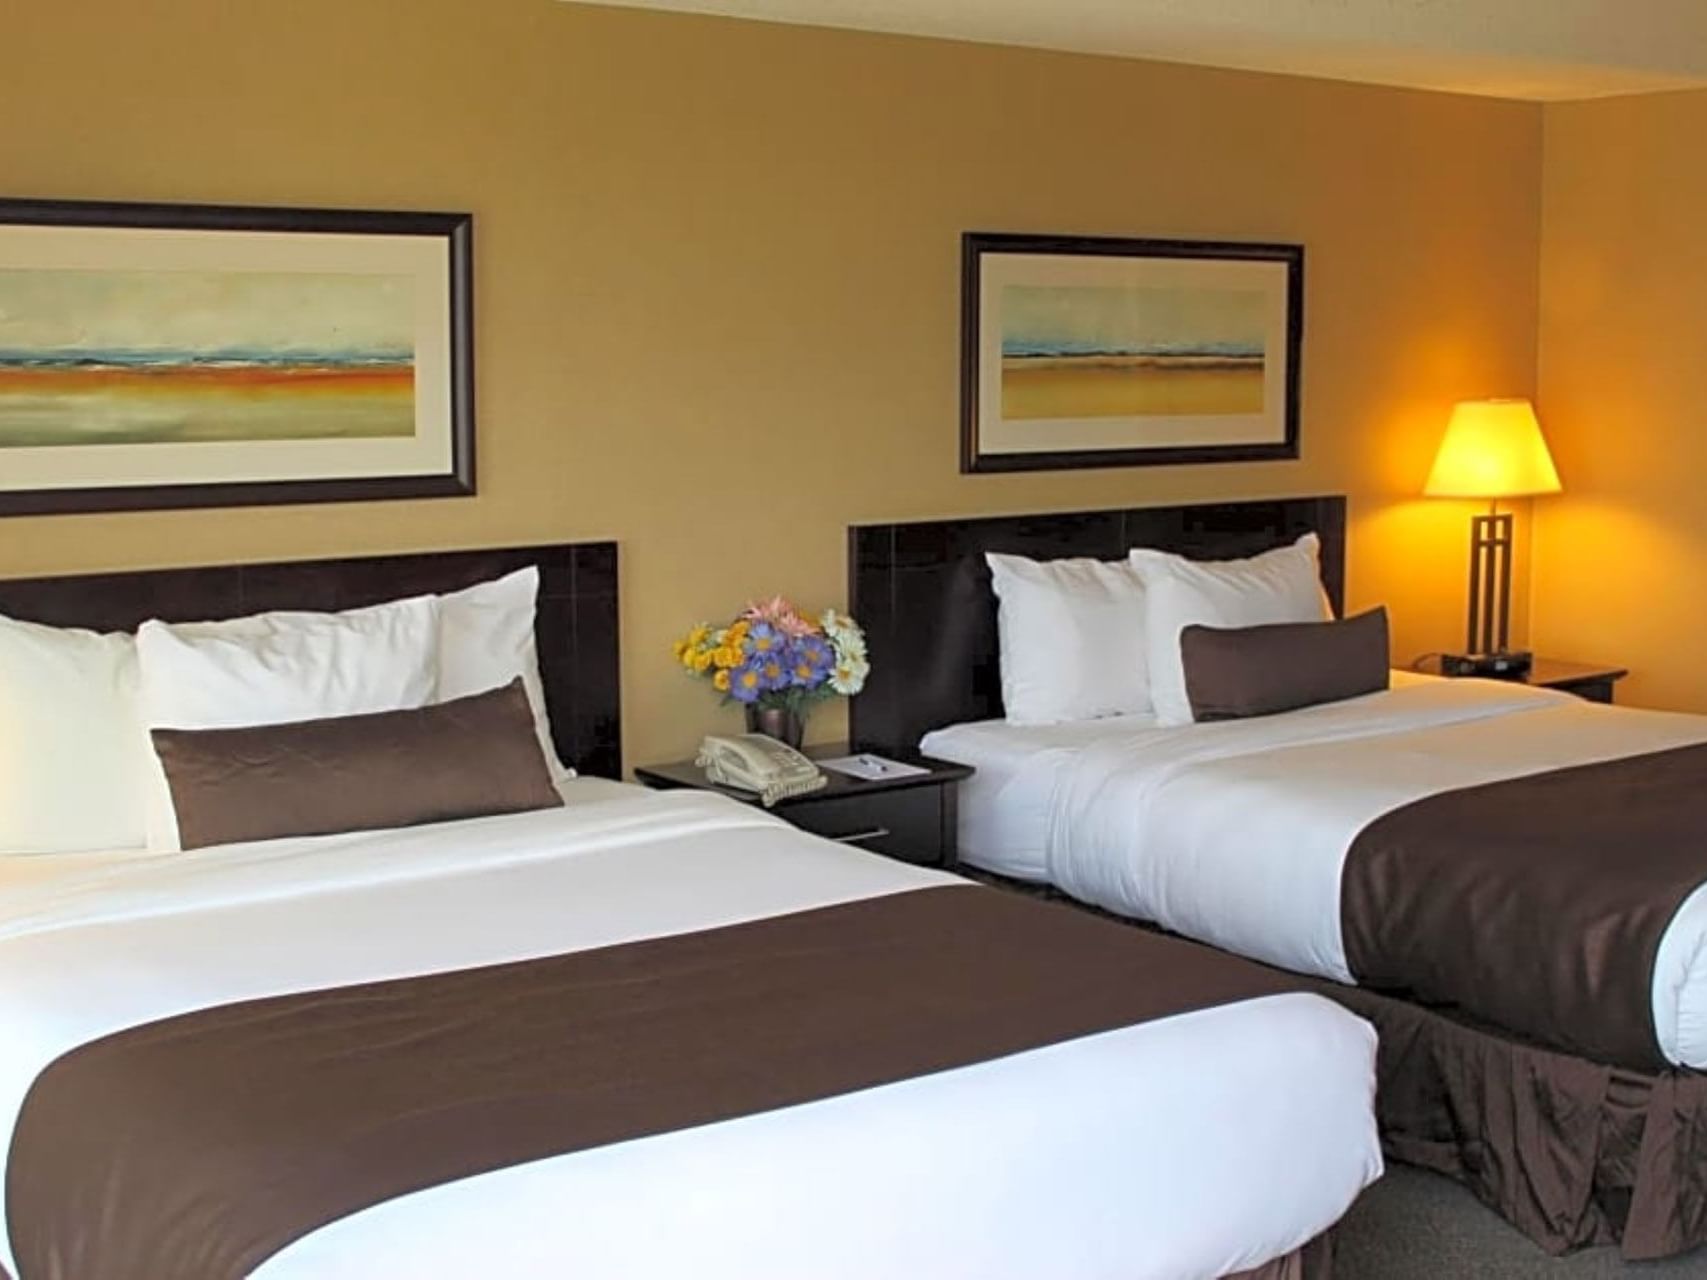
(922, 592)
(576, 625)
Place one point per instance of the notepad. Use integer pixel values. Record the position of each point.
(870, 768)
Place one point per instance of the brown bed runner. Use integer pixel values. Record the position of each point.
(1535, 904)
(199, 1146)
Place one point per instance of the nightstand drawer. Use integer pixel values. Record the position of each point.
(902, 824)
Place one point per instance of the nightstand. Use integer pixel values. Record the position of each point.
(1591, 681)
(913, 818)
(1585, 679)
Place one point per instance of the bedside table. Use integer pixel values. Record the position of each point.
(914, 819)
(1587, 680)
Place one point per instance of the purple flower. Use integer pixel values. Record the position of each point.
(809, 661)
(773, 670)
(746, 682)
(763, 640)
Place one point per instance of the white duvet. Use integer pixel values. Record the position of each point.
(1192, 1146)
(1235, 832)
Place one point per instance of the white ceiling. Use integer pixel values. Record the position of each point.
(1538, 49)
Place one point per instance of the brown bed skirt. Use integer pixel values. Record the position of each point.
(1312, 1261)
(1570, 1152)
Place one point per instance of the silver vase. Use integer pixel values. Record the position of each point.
(779, 723)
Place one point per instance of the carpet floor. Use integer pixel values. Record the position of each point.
(1414, 1225)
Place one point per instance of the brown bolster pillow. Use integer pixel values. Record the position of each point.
(1257, 671)
(466, 758)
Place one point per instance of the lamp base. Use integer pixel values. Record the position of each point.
(1505, 664)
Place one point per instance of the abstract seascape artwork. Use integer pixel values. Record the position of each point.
(1081, 351)
(153, 357)
(194, 355)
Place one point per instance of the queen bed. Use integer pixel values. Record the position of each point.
(1507, 881)
(605, 1031)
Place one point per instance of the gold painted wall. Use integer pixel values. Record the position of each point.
(718, 270)
(1620, 558)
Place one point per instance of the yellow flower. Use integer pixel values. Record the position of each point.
(698, 635)
(720, 682)
(701, 662)
(726, 657)
(736, 633)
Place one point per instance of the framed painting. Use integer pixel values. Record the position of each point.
(1084, 351)
(201, 355)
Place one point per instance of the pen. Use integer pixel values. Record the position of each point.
(874, 764)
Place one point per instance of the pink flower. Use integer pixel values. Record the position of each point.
(781, 614)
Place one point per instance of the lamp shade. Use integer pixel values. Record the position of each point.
(1492, 449)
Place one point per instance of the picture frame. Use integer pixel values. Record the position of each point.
(186, 355)
(1101, 351)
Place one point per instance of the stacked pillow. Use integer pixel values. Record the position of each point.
(77, 766)
(73, 764)
(1072, 639)
(1082, 639)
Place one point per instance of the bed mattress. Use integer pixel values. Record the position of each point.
(1194, 1145)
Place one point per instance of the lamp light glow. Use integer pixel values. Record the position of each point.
(1492, 449)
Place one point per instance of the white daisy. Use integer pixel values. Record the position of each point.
(836, 623)
(848, 676)
(849, 645)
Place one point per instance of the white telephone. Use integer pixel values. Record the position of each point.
(754, 762)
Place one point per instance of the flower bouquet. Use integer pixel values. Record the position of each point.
(777, 662)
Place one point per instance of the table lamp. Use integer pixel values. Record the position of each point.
(1492, 449)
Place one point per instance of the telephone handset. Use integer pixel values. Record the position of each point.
(754, 762)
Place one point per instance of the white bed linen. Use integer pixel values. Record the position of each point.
(1186, 1147)
(1236, 832)
(1005, 806)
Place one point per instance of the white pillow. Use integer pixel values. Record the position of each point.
(274, 668)
(73, 770)
(1072, 639)
(486, 640)
(1283, 585)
